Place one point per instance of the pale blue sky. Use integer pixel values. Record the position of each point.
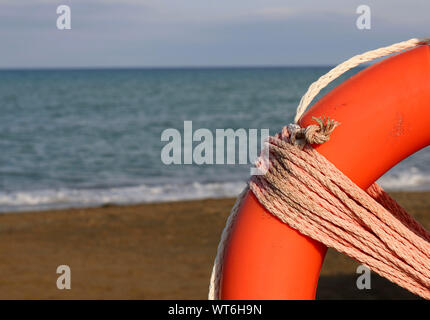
(151, 33)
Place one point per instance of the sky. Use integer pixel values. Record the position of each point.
(165, 33)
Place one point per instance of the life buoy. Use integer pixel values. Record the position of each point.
(385, 115)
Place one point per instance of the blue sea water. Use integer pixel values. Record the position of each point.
(71, 138)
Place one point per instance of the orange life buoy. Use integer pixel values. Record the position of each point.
(385, 111)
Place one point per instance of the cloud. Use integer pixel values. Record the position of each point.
(195, 32)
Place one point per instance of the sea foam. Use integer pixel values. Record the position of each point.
(74, 198)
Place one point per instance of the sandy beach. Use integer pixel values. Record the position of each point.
(147, 251)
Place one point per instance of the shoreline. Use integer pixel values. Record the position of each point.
(395, 194)
(147, 251)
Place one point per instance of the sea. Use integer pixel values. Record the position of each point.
(92, 137)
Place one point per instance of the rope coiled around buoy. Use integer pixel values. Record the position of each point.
(307, 192)
(304, 190)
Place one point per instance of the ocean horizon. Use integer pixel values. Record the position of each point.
(172, 67)
(83, 137)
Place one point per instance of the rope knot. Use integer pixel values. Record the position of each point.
(314, 133)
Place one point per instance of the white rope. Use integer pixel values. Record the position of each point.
(334, 73)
